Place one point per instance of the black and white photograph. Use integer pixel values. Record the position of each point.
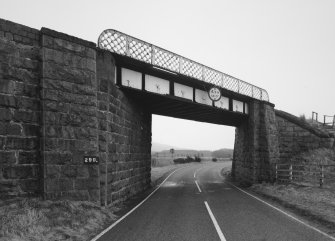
(169, 120)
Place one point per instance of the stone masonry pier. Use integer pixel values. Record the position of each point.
(59, 103)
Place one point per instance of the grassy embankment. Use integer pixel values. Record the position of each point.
(37, 220)
(315, 204)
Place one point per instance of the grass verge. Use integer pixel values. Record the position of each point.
(37, 220)
(314, 204)
(34, 219)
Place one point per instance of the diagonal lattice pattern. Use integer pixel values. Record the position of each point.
(166, 59)
(191, 69)
(113, 41)
(212, 76)
(256, 93)
(245, 89)
(123, 44)
(140, 50)
(230, 83)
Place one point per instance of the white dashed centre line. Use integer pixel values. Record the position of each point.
(196, 183)
(216, 225)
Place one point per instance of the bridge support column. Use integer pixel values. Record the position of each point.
(256, 145)
(124, 137)
(86, 115)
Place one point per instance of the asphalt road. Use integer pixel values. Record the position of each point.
(196, 204)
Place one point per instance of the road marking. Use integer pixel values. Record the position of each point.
(196, 171)
(131, 211)
(216, 225)
(283, 212)
(196, 183)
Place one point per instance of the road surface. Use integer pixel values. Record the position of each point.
(196, 204)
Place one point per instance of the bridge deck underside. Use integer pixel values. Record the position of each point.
(167, 105)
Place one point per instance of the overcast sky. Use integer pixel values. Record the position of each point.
(286, 47)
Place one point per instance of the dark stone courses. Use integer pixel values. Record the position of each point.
(20, 110)
(271, 136)
(57, 106)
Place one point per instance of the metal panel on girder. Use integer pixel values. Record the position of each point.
(183, 91)
(223, 103)
(131, 78)
(157, 85)
(238, 106)
(202, 97)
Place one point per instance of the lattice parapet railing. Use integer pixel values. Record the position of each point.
(126, 45)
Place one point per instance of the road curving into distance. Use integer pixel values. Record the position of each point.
(195, 203)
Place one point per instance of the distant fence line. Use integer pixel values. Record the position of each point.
(328, 120)
(315, 174)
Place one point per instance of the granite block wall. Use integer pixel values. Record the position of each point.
(20, 109)
(57, 105)
(271, 136)
(256, 145)
(70, 125)
(296, 135)
(124, 137)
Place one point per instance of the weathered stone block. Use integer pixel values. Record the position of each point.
(56, 106)
(87, 183)
(53, 171)
(13, 129)
(57, 158)
(58, 185)
(26, 116)
(68, 74)
(21, 172)
(2, 142)
(31, 130)
(7, 86)
(30, 186)
(29, 157)
(7, 158)
(5, 114)
(22, 143)
(29, 103)
(8, 101)
(87, 146)
(69, 171)
(26, 90)
(94, 171)
(83, 172)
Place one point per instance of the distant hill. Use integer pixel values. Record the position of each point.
(223, 153)
(158, 147)
(164, 150)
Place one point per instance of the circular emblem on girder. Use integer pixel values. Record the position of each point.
(214, 94)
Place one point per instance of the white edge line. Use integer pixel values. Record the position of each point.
(283, 212)
(138, 205)
(196, 183)
(216, 225)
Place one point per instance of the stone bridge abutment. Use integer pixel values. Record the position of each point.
(256, 144)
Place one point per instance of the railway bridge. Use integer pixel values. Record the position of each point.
(75, 116)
